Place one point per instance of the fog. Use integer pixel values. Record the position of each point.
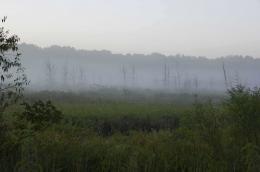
(132, 31)
(69, 69)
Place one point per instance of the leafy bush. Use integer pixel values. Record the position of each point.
(206, 137)
(40, 115)
(243, 107)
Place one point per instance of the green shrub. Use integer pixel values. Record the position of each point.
(40, 115)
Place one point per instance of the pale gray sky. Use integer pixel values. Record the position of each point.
(193, 27)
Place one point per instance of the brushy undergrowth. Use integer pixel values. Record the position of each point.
(108, 135)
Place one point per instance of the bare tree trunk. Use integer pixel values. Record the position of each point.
(65, 72)
(225, 75)
(166, 76)
(133, 75)
(50, 72)
(124, 75)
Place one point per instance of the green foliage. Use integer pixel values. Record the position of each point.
(40, 115)
(244, 109)
(251, 157)
(124, 136)
(12, 77)
(12, 81)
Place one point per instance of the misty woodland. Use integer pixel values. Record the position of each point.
(64, 109)
(67, 69)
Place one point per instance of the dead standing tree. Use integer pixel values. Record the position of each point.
(65, 74)
(166, 75)
(50, 74)
(82, 77)
(225, 74)
(178, 76)
(133, 76)
(124, 72)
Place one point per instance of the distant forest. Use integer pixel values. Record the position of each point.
(66, 68)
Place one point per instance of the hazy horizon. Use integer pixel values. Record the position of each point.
(202, 28)
(136, 53)
(68, 69)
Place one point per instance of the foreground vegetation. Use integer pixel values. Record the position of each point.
(109, 135)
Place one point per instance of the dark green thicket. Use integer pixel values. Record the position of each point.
(40, 115)
(12, 82)
(205, 137)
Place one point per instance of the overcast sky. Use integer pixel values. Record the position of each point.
(193, 27)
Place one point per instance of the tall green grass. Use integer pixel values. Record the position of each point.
(123, 135)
